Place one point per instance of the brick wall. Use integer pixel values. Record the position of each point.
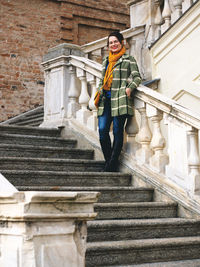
(30, 27)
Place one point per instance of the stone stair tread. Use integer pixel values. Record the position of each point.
(135, 210)
(35, 115)
(16, 146)
(135, 229)
(29, 159)
(143, 222)
(136, 204)
(68, 173)
(143, 243)
(99, 188)
(36, 137)
(31, 130)
(184, 263)
(29, 120)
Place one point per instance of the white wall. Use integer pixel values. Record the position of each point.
(176, 60)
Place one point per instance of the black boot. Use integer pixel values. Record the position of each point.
(106, 149)
(114, 162)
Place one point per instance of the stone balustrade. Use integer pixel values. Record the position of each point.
(149, 20)
(162, 137)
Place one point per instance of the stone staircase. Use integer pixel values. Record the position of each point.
(32, 118)
(131, 229)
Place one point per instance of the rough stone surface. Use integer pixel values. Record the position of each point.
(45, 228)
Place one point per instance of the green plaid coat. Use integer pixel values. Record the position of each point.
(125, 75)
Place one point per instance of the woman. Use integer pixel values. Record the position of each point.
(120, 76)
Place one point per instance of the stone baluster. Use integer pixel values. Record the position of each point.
(193, 161)
(158, 20)
(104, 52)
(166, 14)
(186, 4)
(92, 120)
(144, 135)
(178, 10)
(83, 114)
(131, 129)
(74, 92)
(96, 55)
(159, 160)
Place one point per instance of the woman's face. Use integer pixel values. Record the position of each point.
(114, 45)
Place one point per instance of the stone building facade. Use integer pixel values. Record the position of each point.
(29, 28)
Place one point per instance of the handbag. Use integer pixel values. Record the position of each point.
(98, 93)
(97, 98)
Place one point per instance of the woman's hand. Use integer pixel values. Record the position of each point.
(128, 92)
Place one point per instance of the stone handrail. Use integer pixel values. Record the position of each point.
(165, 141)
(99, 47)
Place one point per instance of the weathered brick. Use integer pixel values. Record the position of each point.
(30, 28)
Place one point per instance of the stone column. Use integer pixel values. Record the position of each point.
(159, 159)
(57, 83)
(83, 113)
(45, 229)
(92, 120)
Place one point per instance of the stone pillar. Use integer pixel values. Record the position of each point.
(178, 168)
(139, 12)
(57, 83)
(45, 229)
(142, 16)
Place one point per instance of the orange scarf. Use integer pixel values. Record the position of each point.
(112, 61)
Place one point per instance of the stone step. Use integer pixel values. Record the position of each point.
(27, 130)
(32, 116)
(37, 120)
(39, 110)
(58, 179)
(144, 210)
(108, 194)
(116, 230)
(131, 252)
(35, 124)
(19, 139)
(10, 150)
(186, 263)
(42, 164)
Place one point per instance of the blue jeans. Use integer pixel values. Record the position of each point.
(111, 153)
